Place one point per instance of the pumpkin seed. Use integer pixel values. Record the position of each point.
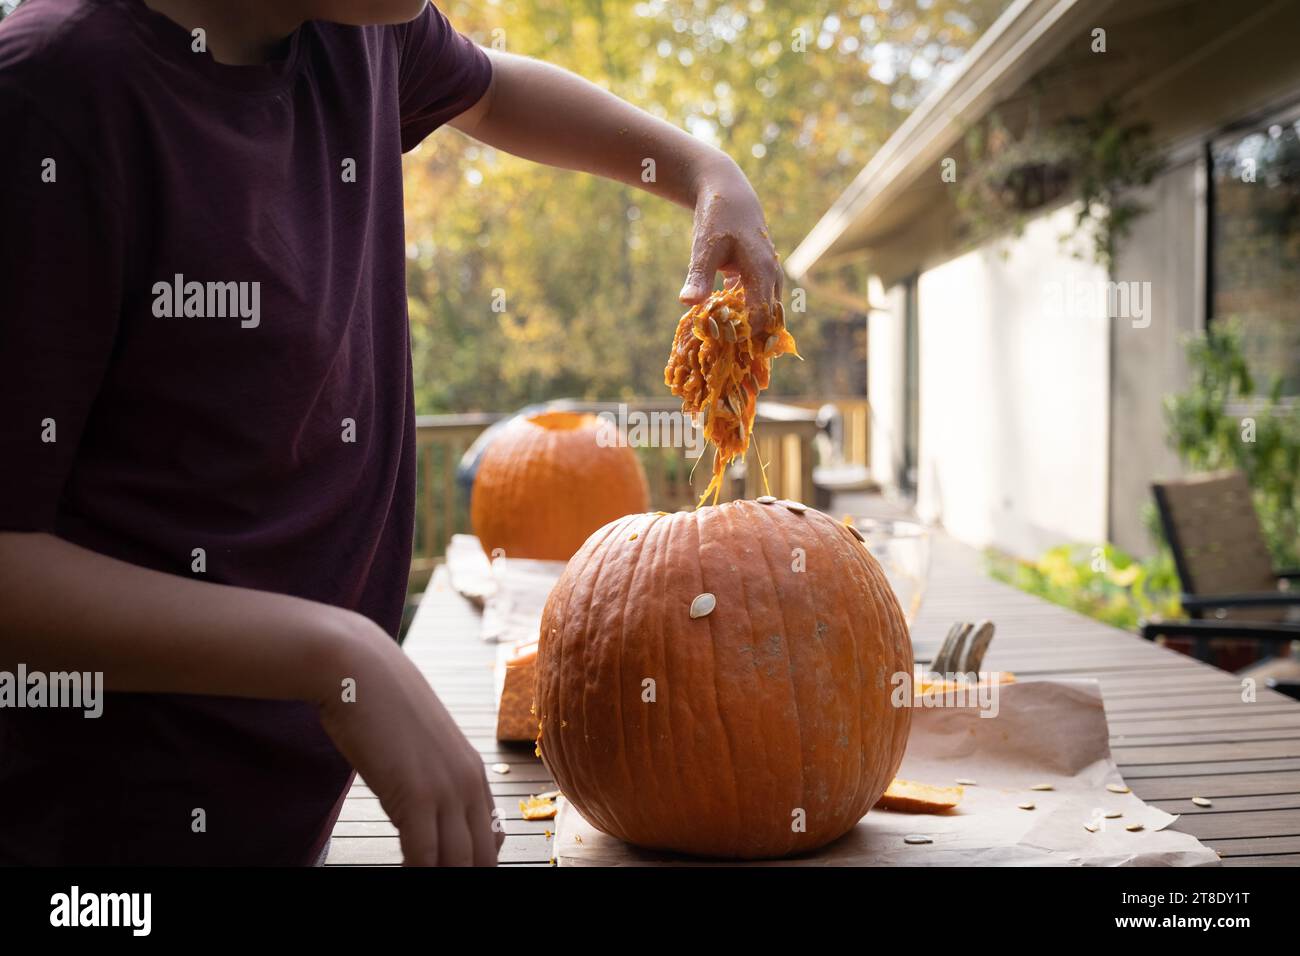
(703, 605)
(1113, 814)
(765, 500)
(1117, 788)
(729, 331)
(548, 795)
(916, 838)
(770, 343)
(1091, 827)
(1025, 806)
(796, 506)
(1042, 786)
(713, 327)
(753, 383)
(1202, 801)
(856, 533)
(1134, 827)
(779, 311)
(962, 781)
(724, 313)
(501, 768)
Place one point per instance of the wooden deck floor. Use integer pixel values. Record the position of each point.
(1179, 728)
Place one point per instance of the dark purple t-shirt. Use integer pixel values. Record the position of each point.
(264, 415)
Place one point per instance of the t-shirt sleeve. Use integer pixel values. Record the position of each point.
(441, 74)
(60, 291)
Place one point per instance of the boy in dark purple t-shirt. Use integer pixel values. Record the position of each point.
(206, 408)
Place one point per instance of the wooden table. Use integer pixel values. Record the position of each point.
(1179, 728)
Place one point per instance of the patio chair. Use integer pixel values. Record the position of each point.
(1230, 589)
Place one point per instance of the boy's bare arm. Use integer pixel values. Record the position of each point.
(68, 608)
(541, 112)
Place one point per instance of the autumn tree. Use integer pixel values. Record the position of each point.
(529, 283)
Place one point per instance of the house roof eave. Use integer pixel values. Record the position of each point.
(1027, 35)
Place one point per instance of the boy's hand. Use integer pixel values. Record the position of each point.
(397, 734)
(731, 237)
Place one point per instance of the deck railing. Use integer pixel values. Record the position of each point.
(783, 441)
(441, 507)
(855, 415)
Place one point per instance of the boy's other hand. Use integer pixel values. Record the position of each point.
(731, 237)
(429, 779)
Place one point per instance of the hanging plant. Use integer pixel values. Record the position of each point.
(1098, 159)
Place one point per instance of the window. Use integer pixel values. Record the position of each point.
(1255, 245)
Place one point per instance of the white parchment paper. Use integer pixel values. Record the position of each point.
(1045, 732)
(511, 591)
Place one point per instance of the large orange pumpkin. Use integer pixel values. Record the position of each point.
(760, 728)
(549, 480)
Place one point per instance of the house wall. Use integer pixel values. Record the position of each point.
(1167, 249)
(1041, 421)
(1014, 393)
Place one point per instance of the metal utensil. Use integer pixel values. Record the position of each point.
(963, 650)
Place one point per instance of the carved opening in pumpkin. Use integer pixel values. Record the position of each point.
(562, 421)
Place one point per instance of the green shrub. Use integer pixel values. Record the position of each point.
(1220, 422)
(1100, 581)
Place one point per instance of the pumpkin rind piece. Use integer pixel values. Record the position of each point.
(516, 718)
(908, 796)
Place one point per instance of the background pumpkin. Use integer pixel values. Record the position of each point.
(546, 483)
(776, 701)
